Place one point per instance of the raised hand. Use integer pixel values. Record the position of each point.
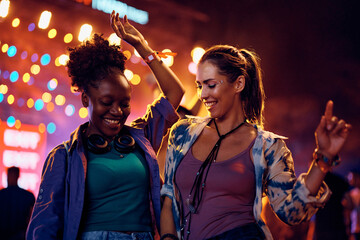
(125, 30)
(331, 132)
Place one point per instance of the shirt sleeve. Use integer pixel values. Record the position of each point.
(159, 117)
(288, 195)
(47, 220)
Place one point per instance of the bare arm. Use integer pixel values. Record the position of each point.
(330, 136)
(168, 82)
(167, 224)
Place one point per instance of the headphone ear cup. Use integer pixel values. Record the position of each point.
(124, 143)
(97, 144)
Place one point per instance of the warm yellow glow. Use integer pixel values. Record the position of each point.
(60, 100)
(4, 48)
(169, 61)
(26, 77)
(50, 106)
(10, 99)
(68, 38)
(63, 59)
(85, 32)
(127, 54)
(4, 89)
(114, 39)
(42, 128)
(73, 89)
(4, 8)
(30, 103)
(128, 74)
(15, 22)
(57, 62)
(83, 112)
(192, 67)
(44, 20)
(135, 79)
(18, 124)
(46, 97)
(52, 33)
(35, 69)
(197, 53)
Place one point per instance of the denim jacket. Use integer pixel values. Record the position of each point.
(274, 176)
(58, 207)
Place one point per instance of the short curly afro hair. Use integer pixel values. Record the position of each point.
(92, 61)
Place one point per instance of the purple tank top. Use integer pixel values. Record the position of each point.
(228, 197)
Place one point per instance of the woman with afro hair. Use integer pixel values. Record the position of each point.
(104, 182)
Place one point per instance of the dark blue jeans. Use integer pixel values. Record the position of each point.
(249, 231)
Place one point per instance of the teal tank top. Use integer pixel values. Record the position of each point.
(117, 193)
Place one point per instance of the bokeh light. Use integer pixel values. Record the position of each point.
(69, 110)
(11, 51)
(31, 27)
(60, 100)
(34, 57)
(45, 59)
(114, 39)
(52, 33)
(135, 79)
(26, 77)
(192, 67)
(4, 48)
(51, 128)
(35, 69)
(39, 104)
(14, 76)
(24, 55)
(50, 107)
(197, 53)
(44, 20)
(4, 89)
(85, 32)
(46, 97)
(52, 84)
(10, 99)
(30, 103)
(68, 38)
(15, 23)
(83, 112)
(10, 121)
(42, 128)
(17, 124)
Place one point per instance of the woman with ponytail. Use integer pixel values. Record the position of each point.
(219, 167)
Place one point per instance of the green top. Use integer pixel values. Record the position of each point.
(117, 193)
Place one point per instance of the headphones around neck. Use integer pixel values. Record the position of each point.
(98, 144)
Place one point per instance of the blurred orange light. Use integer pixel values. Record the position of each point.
(30, 103)
(63, 59)
(127, 54)
(50, 106)
(17, 124)
(42, 128)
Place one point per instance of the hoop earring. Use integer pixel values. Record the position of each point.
(99, 145)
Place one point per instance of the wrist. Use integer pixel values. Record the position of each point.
(324, 161)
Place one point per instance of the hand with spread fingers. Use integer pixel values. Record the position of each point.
(125, 30)
(331, 133)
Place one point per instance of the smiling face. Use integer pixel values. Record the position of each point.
(108, 105)
(220, 97)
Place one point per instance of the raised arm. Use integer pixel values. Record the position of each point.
(168, 82)
(330, 137)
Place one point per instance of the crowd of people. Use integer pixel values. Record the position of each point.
(104, 182)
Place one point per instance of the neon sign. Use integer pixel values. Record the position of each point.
(23, 148)
(132, 13)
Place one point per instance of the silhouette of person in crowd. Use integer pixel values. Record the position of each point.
(15, 207)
